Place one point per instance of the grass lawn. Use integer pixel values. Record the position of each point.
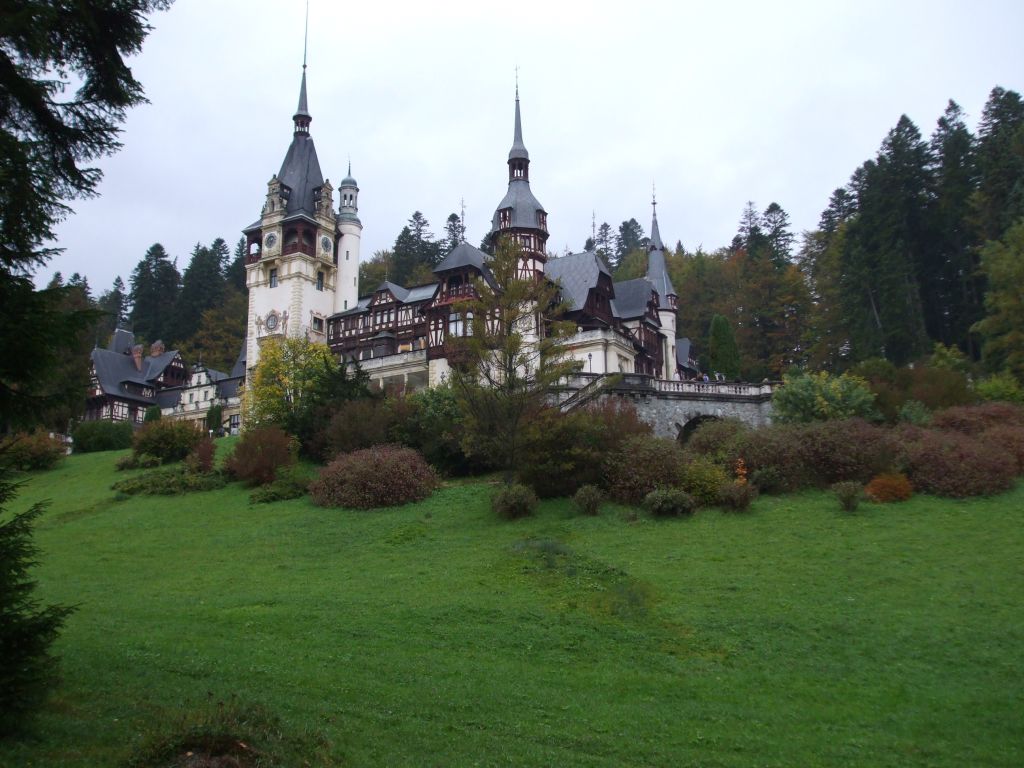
(435, 635)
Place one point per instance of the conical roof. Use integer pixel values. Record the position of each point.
(657, 271)
(518, 151)
(300, 171)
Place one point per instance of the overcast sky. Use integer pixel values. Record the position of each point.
(715, 103)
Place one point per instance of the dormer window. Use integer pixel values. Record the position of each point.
(542, 220)
(505, 218)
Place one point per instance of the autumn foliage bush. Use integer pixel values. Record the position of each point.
(200, 460)
(701, 478)
(33, 451)
(736, 495)
(889, 487)
(381, 476)
(957, 465)
(640, 465)
(259, 454)
(975, 419)
(1010, 438)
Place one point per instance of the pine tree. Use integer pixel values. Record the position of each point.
(605, 245)
(1003, 326)
(1000, 199)
(155, 284)
(455, 233)
(723, 354)
(202, 288)
(775, 224)
(630, 238)
(234, 275)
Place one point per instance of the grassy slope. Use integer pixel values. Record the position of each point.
(433, 635)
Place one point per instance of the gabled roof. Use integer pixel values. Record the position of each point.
(229, 387)
(632, 298)
(115, 371)
(394, 289)
(238, 369)
(683, 352)
(361, 307)
(577, 273)
(421, 293)
(121, 341)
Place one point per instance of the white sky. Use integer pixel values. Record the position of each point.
(716, 103)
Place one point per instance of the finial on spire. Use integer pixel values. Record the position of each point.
(656, 244)
(305, 40)
(518, 151)
(593, 226)
(462, 220)
(302, 117)
(517, 82)
(654, 196)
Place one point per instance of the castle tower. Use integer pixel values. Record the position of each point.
(668, 299)
(303, 258)
(519, 214)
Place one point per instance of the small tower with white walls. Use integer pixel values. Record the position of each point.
(350, 231)
(668, 299)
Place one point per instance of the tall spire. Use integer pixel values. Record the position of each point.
(656, 244)
(302, 118)
(518, 151)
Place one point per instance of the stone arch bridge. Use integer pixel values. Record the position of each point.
(673, 408)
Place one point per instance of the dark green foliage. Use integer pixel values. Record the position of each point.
(381, 476)
(431, 422)
(259, 455)
(736, 495)
(31, 451)
(152, 414)
(415, 253)
(335, 386)
(90, 436)
(167, 439)
(821, 396)
(933, 387)
(588, 499)
(513, 501)
(641, 465)
(155, 283)
(171, 481)
(215, 418)
(566, 451)
(724, 355)
(354, 425)
(701, 478)
(202, 287)
(226, 735)
(669, 502)
(848, 494)
(715, 439)
(292, 482)
(27, 629)
(1003, 264)
(630, 238)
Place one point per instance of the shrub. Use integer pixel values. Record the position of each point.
(842, 450)
(1010, 438)
(640, 465)
(736, 496)
(169, 482)
(915, 412)
(152, 414)
(167, 439)
(587, 499)
(357, 424)
(669, 502)
(31, 452)
(957, 465)
(1001, 387)
(92, 436)
(130, 461)
(821, 397)
(146, 461)
(889, 487)
(975, 419)
(200, 460)
(848, 494)
(381, 476)
(702, 479)
(566, 451)
(513, 501)
(291, 483)
(433, 425)
(258, 455)
(215, 418)
(716, 439)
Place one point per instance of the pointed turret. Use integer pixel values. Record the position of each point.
(657, 272)
(518, 151)
(300, 171)
(302, 118)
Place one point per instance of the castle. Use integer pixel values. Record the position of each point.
(302, 275)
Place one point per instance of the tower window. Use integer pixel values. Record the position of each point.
(346, 255)
(273, 278)
(319, 281)
(318, 324)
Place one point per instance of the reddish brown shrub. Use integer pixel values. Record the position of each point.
(951, 464)
(975, 419)
(201, 458)
(642, 465)
(381, 476)
(717, 440)
(258, 455)
(889, 487)
(31, 451)
(1010, 439)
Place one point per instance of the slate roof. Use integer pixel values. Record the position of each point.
(300, 171)
(462, 255)
(631, 298)
(657, 272)
(524, 205)
(577, 273)
(168, 398)
(683, 352)
(421, 293)
(238, 369)
(518, 151)
(362, 306)
(114, 370)
(396, 290)
(121, 341)
(229, 387)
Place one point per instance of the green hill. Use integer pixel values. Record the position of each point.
(433, 634)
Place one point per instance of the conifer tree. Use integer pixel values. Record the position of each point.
(202, 288)
(155, 283)
(1003, 326)
(723, 354)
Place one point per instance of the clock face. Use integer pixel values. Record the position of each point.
(325, 244)
(271, 321)
(270, 240)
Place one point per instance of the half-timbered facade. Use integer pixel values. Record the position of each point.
(125, 381)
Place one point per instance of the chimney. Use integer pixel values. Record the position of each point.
(157, 348)
(137, 356)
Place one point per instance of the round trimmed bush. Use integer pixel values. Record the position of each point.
(513, 501)
(736, 496)
(702, 479)
(889, 487)
(669, 502)
(1010, 438)
(167, 439)
(92, 436)
(380, 476)
(259, 454)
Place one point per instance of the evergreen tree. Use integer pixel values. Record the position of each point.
(234, 275)
(415, 252)
(1000, 199)
(115, 304)
(221, 331)
(202, 288)
(630, 238)
(589, 244)
(455, 233)
(723, 354)
(605, 245)
(375, 270)
(154, 294)
(775, 224)
(1003, 326)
